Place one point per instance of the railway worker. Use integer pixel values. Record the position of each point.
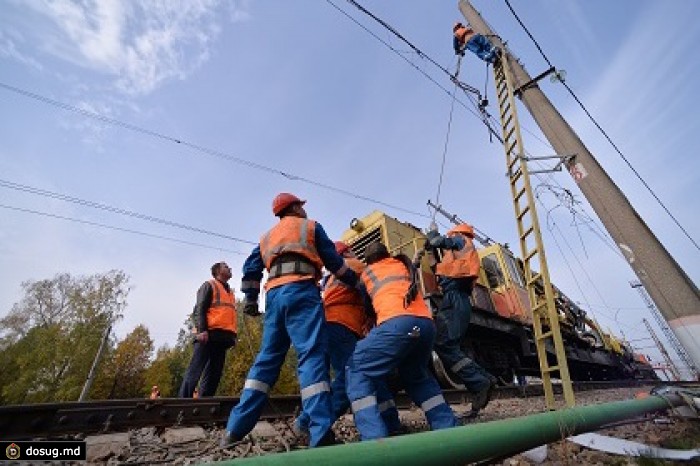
(466, 38)
(216, 330)
(347, 321)
(293, 252)
(155, 392)
(403, 339)
(456, 273)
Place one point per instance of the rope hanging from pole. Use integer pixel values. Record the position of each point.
(447, 139)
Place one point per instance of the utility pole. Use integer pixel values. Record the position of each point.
(671, 366)
(675, 295)
(98, 356)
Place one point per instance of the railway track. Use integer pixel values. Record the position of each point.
(52, 420)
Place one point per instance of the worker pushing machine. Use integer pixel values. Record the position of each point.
(466, 38)
(293, 252)
(456, 273)
(403, 339)
(347, 321)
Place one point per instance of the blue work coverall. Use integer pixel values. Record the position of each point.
(480, 46)
(293, 314)
(341, 345)
(452, 320)
(402, 342)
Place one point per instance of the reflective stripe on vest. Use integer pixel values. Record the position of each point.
(292, 235)
(387, 282)
(297, 267)
(222, 312)
(462, 263)
(343, 304)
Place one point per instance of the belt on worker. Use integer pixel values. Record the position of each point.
(294, 266)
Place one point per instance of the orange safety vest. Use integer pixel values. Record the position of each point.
(462, 263)
(344, 305)
(292, 235)
(463, 34)
(222, 312)
(387, 282)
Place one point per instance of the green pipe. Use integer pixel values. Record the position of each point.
(477, 442)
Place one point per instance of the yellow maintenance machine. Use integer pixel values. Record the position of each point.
(501, 337)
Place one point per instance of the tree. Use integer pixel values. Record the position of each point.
(124, 371)
(49, 338)
(241, 358)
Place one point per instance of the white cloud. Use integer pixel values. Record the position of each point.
(140, 44)
(8, 48)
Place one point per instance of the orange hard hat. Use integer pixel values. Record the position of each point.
(341, 248)
(284, 200)
(463, 228)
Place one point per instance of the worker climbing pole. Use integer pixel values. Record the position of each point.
(673, 292)
(548, 339)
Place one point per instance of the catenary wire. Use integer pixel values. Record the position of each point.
(117, 210)
(198, 148)
(470, 97)
(603, 132)
(111, 227)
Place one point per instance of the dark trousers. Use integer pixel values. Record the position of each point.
(208, 363)
(451, 323)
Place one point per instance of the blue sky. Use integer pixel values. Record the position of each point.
(297, 87)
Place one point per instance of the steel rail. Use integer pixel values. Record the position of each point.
(50, 420)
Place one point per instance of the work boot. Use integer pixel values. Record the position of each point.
(399, 430)
(228, 440)
(299, 429)
(328, 439)
(467, 417)
(482, 397)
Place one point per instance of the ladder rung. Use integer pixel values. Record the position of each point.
(530, 254)
(520, 217)
(508, 120)
(505, 109)
(529, 230)
(513, 162)
(511, 147)
(550, 369)
(516, 176)
(538, 306)
(545, 335)
(534, 278)
(503, 90)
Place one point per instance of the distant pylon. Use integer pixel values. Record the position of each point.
(670, 336)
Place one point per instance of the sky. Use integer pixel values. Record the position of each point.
(274, 96)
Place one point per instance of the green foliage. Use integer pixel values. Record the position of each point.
(241, 358)
(49, 338)
(124, 371)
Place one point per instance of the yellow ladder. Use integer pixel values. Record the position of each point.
(544, 313)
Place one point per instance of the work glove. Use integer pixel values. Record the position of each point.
(251, 308)
(434, 238)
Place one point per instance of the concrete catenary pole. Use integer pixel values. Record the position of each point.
(675, 295)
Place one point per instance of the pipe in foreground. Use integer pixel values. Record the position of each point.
(472, 443)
